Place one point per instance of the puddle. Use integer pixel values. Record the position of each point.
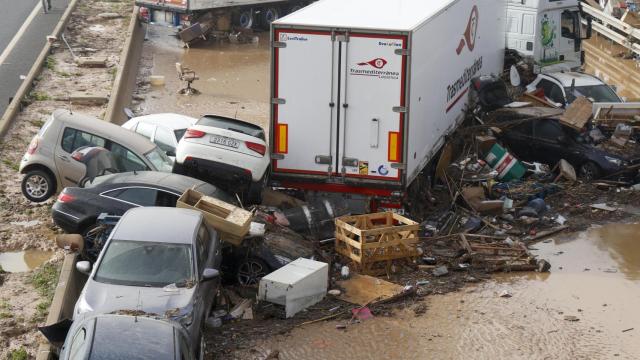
(233, 78)
(21, 261)
(532, 324)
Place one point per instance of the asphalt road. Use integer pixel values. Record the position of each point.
(22, 36)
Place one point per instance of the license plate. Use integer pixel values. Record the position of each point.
(224, 141)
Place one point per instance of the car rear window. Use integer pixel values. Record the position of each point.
(232, 125)
(135, 338)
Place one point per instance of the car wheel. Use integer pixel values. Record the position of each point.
(255, 189)
(250, 271)
(589, 171)
(37, 186)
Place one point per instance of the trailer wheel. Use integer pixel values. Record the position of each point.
(245, 19)
(270, 15)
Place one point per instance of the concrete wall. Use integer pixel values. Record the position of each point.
(69, 286)
(125, 81)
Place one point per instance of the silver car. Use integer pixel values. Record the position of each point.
(48, 165)
(159, 261)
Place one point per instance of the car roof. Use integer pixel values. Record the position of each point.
(124, 137)
(127, 336)
(582, 79)
(167, 120)
(158, 224)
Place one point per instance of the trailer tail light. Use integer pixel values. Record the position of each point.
(192, 133)
(259, 148)
(33, 146)
(282, 139)
(65, 198)
(394, 146)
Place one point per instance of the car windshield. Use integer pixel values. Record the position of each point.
(160, 160)
(596, 93)
(179, 133)
(142, 263)
(232, 125)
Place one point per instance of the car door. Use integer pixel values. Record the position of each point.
(519, 138)
(548, 146)
(70, 171)
(126, 160)
(121, 199)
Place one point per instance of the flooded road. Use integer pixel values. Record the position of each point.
(21, 261)
(588, 307)
(233, 78)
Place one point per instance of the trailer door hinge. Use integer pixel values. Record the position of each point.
(278, 101)
(400, 109)
(400, 166)
(403, 52)
(324, 159)
(279, 44)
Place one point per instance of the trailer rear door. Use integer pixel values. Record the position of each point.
(338, 104)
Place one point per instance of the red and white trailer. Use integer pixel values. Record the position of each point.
(364, 91)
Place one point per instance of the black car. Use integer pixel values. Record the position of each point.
(112, 336)
(77, 209)
(547, 140)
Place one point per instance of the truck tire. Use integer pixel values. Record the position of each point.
(37, 185)
(269, 15)
(245, 19)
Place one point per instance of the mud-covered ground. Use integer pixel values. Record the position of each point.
(88, 35)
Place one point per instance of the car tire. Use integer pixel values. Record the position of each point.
(250, 270)
(37, 185)
(254, 195)
(590, 171)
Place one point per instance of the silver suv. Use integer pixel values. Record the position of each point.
(48, 166)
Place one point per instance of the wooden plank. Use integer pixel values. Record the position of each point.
(578, 113)
(364, 289)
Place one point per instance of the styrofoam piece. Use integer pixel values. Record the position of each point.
(297, 285)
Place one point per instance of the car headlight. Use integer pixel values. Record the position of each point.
(83, 306)
(613, 160)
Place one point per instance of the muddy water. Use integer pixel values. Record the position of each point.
(595, 278)
(604, 59)
(21, 261)
(233, 78)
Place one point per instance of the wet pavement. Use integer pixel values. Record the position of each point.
(585, 308)
(21, 261)
(233, 78)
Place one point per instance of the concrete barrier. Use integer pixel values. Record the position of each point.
(70, 284)
(13, 108)
(125, 80)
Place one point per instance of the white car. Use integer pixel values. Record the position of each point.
(231, 153)
(165, 130)
(562, 88)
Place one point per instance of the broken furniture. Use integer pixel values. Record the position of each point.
(231, 222)
(188, 76)
(374, 241)
(297, 285)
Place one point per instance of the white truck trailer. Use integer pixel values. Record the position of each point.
(364, 91)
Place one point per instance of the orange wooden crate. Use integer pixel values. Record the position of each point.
(374, 241)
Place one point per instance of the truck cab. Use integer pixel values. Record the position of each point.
(546, 33)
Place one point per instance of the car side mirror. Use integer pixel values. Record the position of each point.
(84, 267)
(170, 153)
(210, 274)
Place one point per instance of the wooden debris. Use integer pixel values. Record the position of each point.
(93, 61)
(578, 113)
(364, 289)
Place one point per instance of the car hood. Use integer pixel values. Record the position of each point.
(107, 298)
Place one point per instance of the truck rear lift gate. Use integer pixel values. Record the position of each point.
(359, 134)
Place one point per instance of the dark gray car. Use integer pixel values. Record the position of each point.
(112, 336)
(160, 261)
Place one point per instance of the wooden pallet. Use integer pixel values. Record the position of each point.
(373, 242)
(231, 222)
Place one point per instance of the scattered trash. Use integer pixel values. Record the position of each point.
(440, 271)
(505, 294)
(629, 329)
(334, 292)
(602, 206)
(364, 289)
(26, 224)
(363, 313)
(571, 318)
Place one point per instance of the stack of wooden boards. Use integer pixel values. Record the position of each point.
(231, 222)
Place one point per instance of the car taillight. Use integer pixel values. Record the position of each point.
(259, 148)
(33, 146)
(192, 133)
(65, 198)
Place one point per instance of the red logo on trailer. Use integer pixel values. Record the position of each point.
(469, 37)
(377, 63)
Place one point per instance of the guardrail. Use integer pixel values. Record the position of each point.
(613, 28)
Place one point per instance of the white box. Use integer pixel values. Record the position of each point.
(297, 285)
